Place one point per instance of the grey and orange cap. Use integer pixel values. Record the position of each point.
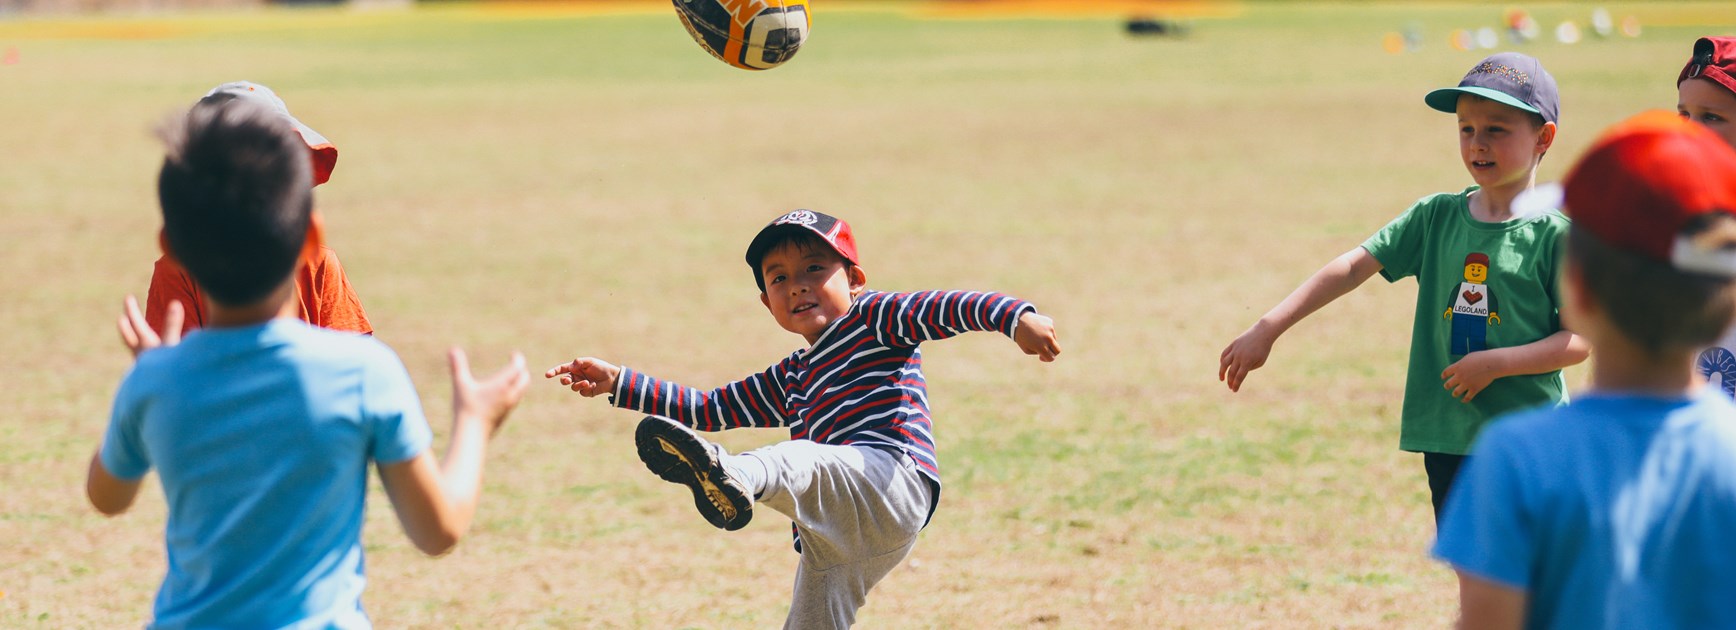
(834, 231)
(324, 154)
(1508, 78)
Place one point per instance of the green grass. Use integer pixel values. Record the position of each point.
(572, 184)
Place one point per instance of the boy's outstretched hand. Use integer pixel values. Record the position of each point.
(590, 376)
(489, 399)
(1035, 334)
(137, 334)
(1246, 354)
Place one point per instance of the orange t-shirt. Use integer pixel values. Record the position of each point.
(323, 291)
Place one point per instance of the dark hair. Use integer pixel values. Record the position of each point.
(1657, 306)
(804, 241)
(236, 198)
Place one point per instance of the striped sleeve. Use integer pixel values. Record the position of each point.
(756, 401)
(907, 319)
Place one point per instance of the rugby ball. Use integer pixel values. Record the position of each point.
(747, 34)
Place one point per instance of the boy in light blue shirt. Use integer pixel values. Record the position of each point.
(261, 427)
(1615, 511)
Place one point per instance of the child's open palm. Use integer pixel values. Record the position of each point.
(137, 334)
(586, 375)
(490, 398)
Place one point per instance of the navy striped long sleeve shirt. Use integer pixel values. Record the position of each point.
(859, 384)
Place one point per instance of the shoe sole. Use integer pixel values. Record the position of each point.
(678, 456)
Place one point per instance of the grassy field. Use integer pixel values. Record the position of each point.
(582, 181)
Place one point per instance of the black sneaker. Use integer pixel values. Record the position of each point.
(679, 455)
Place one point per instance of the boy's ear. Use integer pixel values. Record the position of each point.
(858, 281)
(766, 301)
(315, 237)
(1545, 138)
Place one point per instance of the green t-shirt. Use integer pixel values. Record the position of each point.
(1469, 275)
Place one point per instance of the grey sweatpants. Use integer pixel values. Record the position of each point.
(858, 510)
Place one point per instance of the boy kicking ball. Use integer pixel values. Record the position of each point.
(859, 476)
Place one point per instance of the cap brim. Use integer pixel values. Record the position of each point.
(1447, 99)
(756, 250)
(325, 160)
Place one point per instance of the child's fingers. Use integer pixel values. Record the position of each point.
(130, 307)
(173, 318)
(564, 368)
(458, 363)
(128, 337)
(1229, 363)
(1460, 390)
(136, 320)
(516, 376)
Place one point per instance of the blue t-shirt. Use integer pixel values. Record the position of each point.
(1615, 511)
(261, 436)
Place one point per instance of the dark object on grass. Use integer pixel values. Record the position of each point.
(1155, 27)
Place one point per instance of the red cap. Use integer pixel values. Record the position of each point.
(1477, 258)
(1714, 60)
(834, 231)
(1646, 180)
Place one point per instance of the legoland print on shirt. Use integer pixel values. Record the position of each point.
(1479, 286)
(1473, 308)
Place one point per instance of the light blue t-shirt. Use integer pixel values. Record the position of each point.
(1615, 511)
(261, 437)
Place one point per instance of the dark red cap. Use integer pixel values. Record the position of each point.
(1477, 258)
(1714, 60)
(834, 231)
(1647, 181)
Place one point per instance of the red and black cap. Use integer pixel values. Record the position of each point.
(1714, 60)
(834, 231)
(1647, 182)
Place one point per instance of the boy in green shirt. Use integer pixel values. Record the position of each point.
(1469, 360)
